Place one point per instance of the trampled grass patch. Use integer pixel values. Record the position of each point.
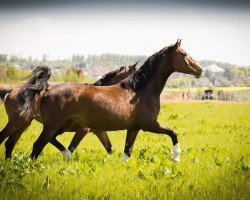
(215, 143)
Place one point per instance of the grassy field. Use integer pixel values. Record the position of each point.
(214, 137)
(198, 89)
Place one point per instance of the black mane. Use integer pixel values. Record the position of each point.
(142, 76)
(37, 82)
(106, 78)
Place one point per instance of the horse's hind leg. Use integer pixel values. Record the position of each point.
(66, 153)
(79, 135)
(12, 140)
(104, 139)
(45, 137)
(57, 144)
(9, 129)
(130, 140)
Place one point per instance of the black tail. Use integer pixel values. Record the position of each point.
(3, 93)
(37, 82)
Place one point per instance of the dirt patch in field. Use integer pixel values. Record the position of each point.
(174, 96)
(3, 85)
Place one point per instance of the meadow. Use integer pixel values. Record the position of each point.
(215, 160)
(198, 89)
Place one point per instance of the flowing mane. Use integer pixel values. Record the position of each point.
(106, 78)
(142, 76)
(37, 82)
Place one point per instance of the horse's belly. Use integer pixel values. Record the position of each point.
(106, 111)
(104, 121)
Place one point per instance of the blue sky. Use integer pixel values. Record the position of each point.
(217, 30)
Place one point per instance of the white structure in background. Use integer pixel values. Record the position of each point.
(218, 74)
(19, 67)
(215, 69)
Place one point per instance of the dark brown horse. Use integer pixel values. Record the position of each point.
(133, 104)
(22, 97)
(21, 110)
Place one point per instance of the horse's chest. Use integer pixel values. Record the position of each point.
(148, 109)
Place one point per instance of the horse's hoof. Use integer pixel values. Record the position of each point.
(176, 153)
(125, 158)
(176, 149)
(176, 159)
(111, 151)
(66, 154)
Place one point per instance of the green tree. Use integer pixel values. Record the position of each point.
(44, 58)
(12, 73)
(3, 77)
(3, 57)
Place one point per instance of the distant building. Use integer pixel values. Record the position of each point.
(19, 67)
(217, 74)
(215, 69)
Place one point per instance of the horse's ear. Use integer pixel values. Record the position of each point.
(133, 67)
(177, 44)
(122, 68)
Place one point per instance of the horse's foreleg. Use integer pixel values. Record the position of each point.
(79, 135)
(45, 137)
(157, 128)
(104, 139)
(130, 139)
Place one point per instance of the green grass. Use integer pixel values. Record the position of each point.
(214, 88)
(214, 137)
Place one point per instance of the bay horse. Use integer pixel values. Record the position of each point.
(132, 104)
(110, 78)
(21, 111)
(21, 96)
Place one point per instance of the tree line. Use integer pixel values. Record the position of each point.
(233, 75)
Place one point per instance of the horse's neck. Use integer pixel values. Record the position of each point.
(158, 81)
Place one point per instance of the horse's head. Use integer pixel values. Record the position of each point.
(116, 76)
(123, 73)
(183, 62)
